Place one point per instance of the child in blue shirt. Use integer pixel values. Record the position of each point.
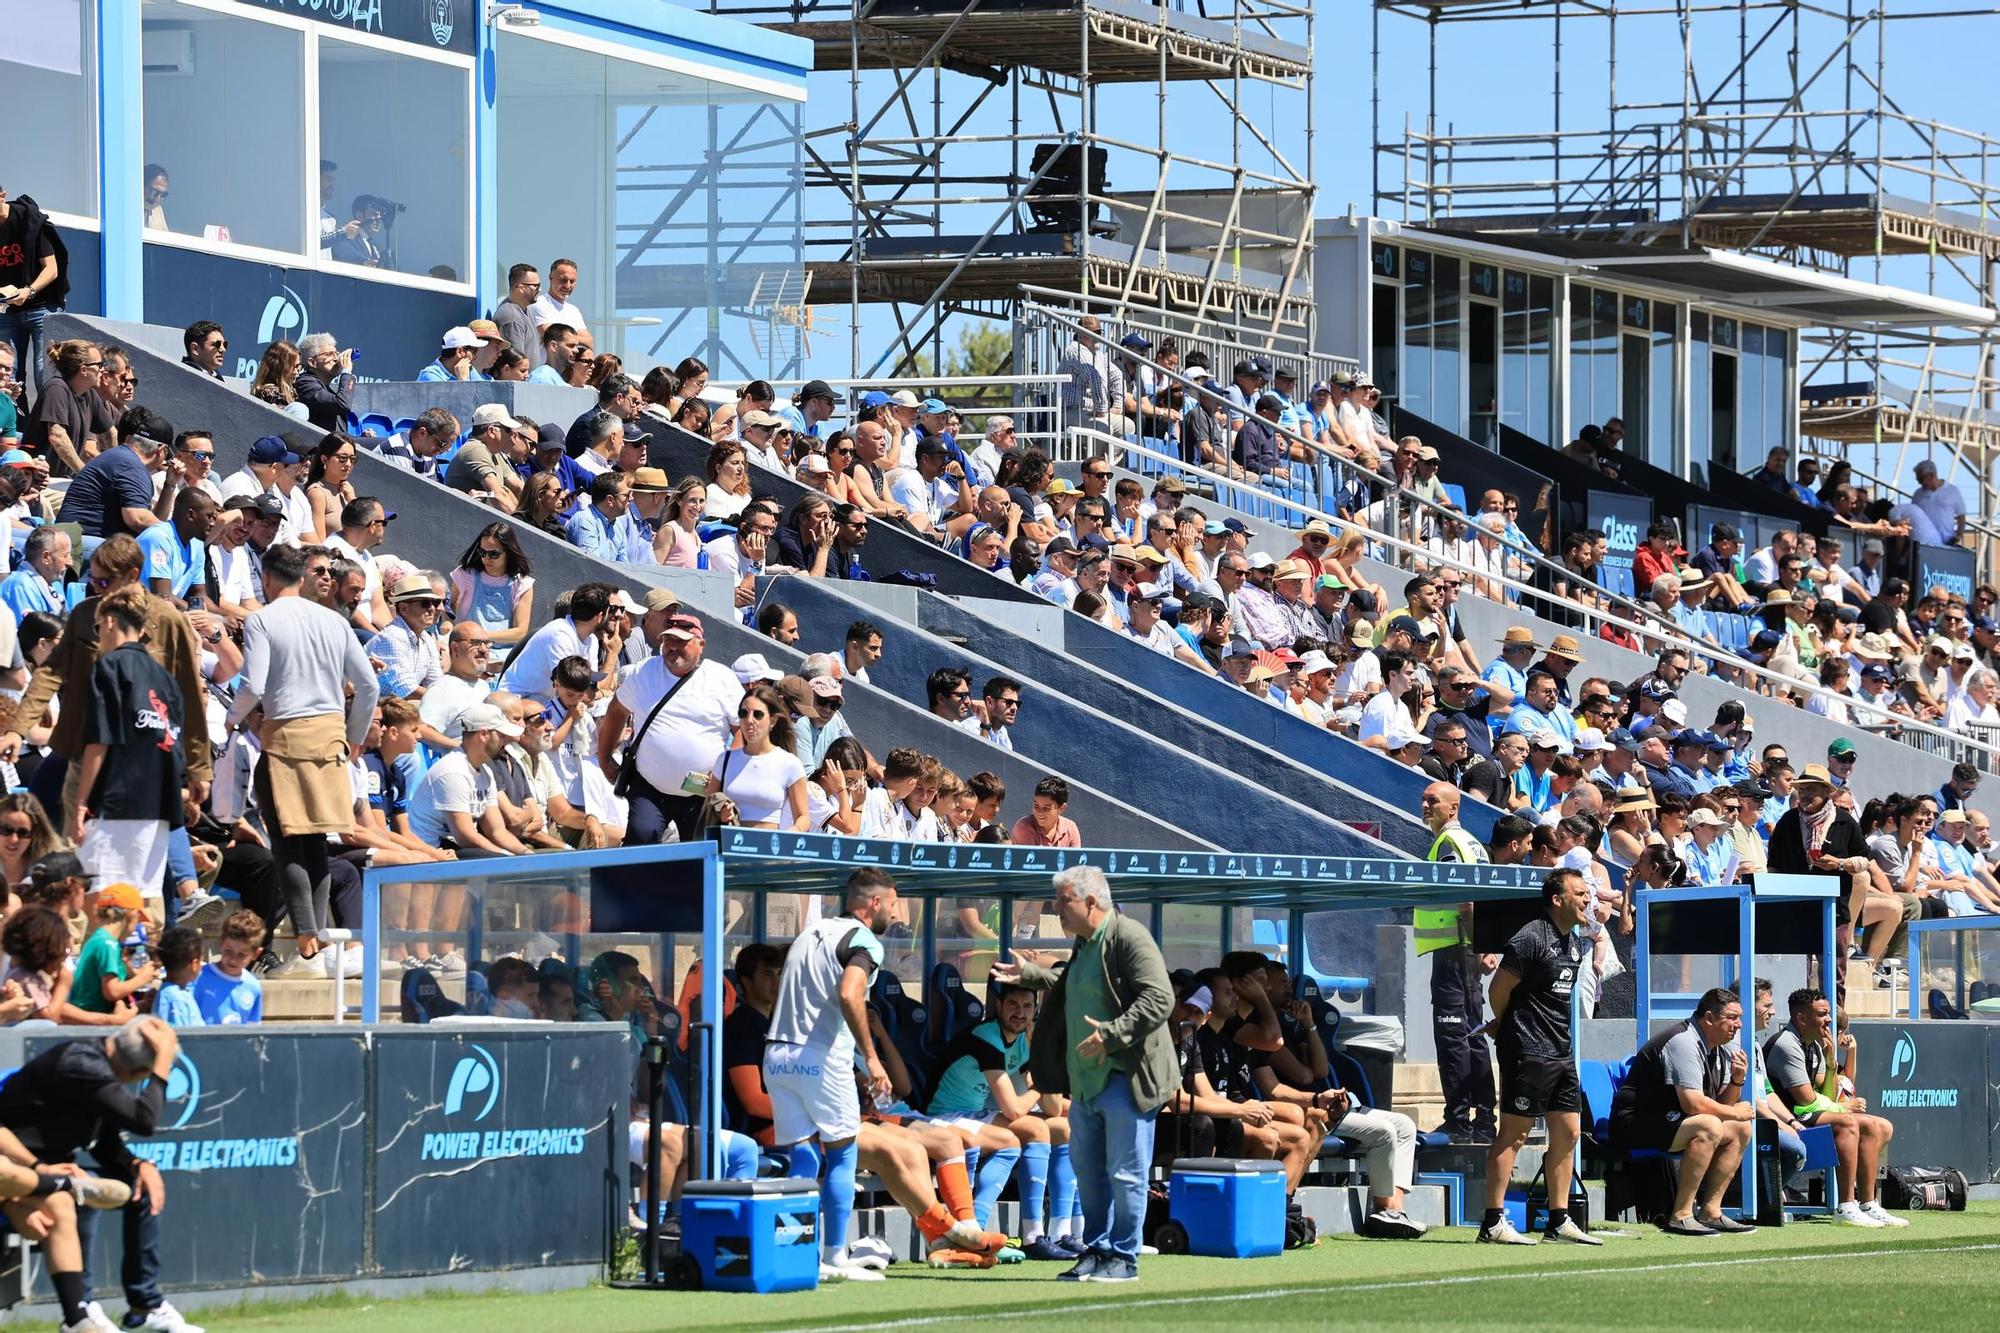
(228, 992)
(180, 954)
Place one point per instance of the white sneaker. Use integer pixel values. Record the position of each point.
(1874, 1209)
(167, 1319)
(299, 968)
(847, 1271)
(1503, 1233)
(451, 964)
(93, 1321)
(1569, 1233)
(100, 1193)
(871, 1252)
(1853, 1214)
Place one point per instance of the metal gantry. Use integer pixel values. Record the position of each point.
(980, 145)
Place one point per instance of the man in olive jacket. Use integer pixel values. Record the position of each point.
(1117, 1076)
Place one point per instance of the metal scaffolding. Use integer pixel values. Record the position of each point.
(1764, 126)
(981, 146)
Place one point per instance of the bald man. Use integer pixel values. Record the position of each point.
(1465, 1069)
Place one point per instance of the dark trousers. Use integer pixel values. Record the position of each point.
(1465, 1065)
(651, 810)
(139, 1267)
(252, 872)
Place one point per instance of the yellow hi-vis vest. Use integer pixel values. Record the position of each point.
(1439, 927)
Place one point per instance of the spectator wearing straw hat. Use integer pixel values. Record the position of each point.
(1509, 668)
(405, 646)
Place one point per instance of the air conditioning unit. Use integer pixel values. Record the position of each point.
(167, 49)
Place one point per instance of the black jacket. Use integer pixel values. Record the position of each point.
(67, 1098)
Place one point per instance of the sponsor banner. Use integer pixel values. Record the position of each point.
(1623, 519)
(1952, 568)
(1930, 1079)
(493, 1144)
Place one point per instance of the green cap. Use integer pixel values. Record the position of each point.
(1331, 581)
(1842, 747)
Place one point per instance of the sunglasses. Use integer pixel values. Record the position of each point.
(16, 831)
(491, 553)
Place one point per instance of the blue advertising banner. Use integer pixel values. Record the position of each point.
(1931, 1080)
(263, 1150)
(1623, 519)
(394, 329)
(483, 1136)
(1952, 568)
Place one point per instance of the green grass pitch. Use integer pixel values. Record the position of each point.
(1942, 1272)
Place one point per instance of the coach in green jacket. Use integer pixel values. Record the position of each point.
(1118, 1075)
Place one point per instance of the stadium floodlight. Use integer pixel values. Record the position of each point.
(515, 16)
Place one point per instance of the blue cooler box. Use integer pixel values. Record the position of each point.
(1230, 1207)
(752, 1235)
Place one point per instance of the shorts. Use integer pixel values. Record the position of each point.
(811, 1095)
(1538, 1085)
(1228, 1138)
(1635, 1131)
(126, 851)
(964, 1124)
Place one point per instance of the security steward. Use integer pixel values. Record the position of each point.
(1531, 1028)
(1685, 1095)
(1465, 1067)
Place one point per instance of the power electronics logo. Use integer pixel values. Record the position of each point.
(1908, 1094)
(183, 1102)
(474, 1075)
(471, 1095)
(184, 1089)
(284, 317)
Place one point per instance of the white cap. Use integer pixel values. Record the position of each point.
(485, 717)
(752, 667)
(455, 338)
(814, 461)
(1261, 560)
(493, 414)
(1202, 998)
(1674, 711)
(1315, 661)
(1401, 734)
(1706, 818)
(1589, 740)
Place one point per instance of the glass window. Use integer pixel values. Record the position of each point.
(1417, 316)
(1383, 324)
(1777, 381)
(1701, 420)
(397, 133)
(208, 75)
(48, 62)
(1661, 407)
(1447, 344)
(1593, 358)
(1750, 395)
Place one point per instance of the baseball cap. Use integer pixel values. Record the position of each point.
(825, 687)
(461, 336)
(1705, 818)
(550, 436)
(1061, 486)
(1716, 743)
(875, 398)
(1675, 711)
(1841, 748)
(1408, 625)
(272, 449)
(1213, 528)
(661, 599)
(815, 389)
(57, 867)
(1262, 560)
(1241, 647)
(485, 717)
(814, 462)
(1330, 583)
(1059, 546)
(934, 407)
(493, 414)
(752, 667)
(1201, 1000)
(685, 628)
(1873, 546)
(1623, 739)
(1687, 739)
(903, 398)
(1236, 525)
(1544, 738)
(1877, 671)
(1751, 790)
(1589, 740)
(761, 419)
(265, 505)
(1765, 640)
(17, 458)
(1314, 662)
(1137, 341)
(119, 895)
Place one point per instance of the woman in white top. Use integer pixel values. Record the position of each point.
(762, 779)
(728, 481)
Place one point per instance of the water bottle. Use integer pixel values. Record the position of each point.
(136, 953)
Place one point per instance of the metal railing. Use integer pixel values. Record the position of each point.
(1034, 401)
(1938, 740)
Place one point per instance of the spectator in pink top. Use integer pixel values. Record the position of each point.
(1045, 825)
(678, 545)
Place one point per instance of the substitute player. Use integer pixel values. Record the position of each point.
(982, 1088)
(1530, 996)
(818, 1028)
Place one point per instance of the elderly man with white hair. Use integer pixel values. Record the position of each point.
(985, 458)
(1973, 712)
(1118, 1073)
(325, 378)
(1486, 554)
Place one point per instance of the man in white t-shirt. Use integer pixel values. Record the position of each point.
(462, 685)
(1936, 513)
(675, 745)
(553, 306)
(364, 525)
(1399, 673)
(885, 812)
(934, 491)
(454, 806)
(573, 635)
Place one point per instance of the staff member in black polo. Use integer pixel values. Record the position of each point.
(1530, 996)
(1685, 1095)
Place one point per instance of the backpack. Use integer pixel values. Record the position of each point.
(1924, 1189)
(56, 295)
